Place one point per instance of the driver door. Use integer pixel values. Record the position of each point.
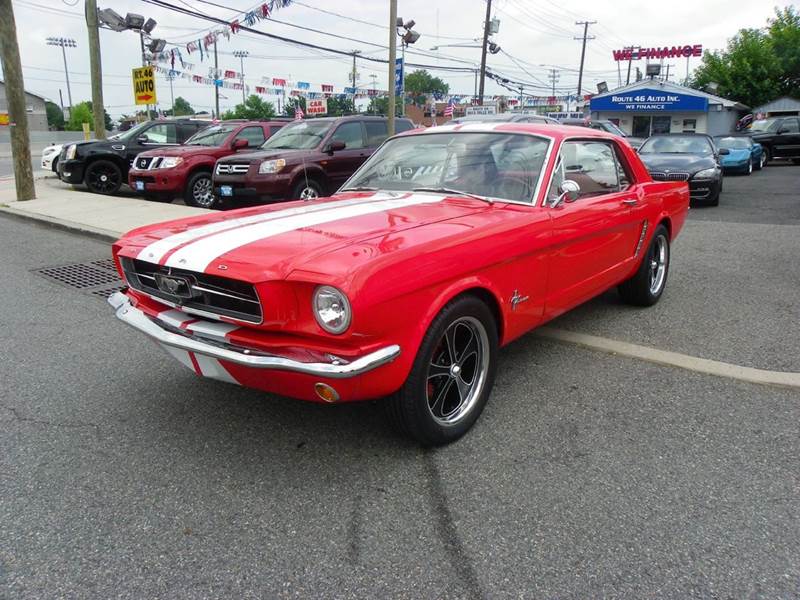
(594, 236)
(787, 140)
(344, 163)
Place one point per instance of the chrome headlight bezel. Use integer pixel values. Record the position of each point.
(327, 298)
(711, 173)
(170, 162)
(273, 165)
(72, 149)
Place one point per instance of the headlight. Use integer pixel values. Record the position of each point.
(271, 166)
(331, 309)
(48, 151)
(71, 150)
(705, 174)
(170, 162)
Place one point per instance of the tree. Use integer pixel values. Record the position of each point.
(182, 108)
(55, 118)
(253, 108)
(338, 107)
(758, 65)
(79, 114)
(292, 103)
(378, 105)
(420, 84)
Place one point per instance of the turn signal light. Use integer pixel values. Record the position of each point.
(326, 392)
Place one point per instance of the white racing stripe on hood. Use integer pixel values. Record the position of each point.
(198, 255)
(155, 252)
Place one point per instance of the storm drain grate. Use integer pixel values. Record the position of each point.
(98, 277)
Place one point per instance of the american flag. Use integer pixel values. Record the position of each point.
(298, 113)
(448, 110)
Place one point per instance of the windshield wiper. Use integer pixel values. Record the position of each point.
(446, 190)
(359, 188)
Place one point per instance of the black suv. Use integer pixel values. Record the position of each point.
(103, 164)
(780, 137)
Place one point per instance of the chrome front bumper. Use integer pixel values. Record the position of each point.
(337, 369)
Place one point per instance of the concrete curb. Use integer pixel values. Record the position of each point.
(673, 359)
(70, 226)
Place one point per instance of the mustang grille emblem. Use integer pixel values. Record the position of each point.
(175, 285)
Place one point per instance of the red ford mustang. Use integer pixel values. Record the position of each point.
(446, 244)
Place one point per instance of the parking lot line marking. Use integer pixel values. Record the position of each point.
(673, 359)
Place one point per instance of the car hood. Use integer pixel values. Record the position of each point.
(182, 151)
(270, 243)
(259, 155)
(690, 163)
(735, 155)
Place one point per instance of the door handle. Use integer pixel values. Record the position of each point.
(630, 201)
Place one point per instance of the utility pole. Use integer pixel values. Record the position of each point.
(64, 43)
(15, 98)
(171, 78)
(216, 78)
(483, 49)
(95, 69)
(630, 59)
(392, 58)
(553, 76)
(475, 87)
(241, 54)
(583, 51)
(354, 75)
(144, 64)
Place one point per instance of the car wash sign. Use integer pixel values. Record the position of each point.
(649, 100)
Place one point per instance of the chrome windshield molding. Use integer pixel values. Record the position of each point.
(134, 317)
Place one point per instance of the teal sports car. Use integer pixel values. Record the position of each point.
(744, 155)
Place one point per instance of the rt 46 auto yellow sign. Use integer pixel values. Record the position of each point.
(144, 85)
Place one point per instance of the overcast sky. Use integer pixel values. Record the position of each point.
(532, 33)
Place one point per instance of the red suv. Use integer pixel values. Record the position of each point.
(185, 170)
(306, 159)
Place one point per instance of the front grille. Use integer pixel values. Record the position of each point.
(210, 293)
(232, 168)
(661, 176)
(148, 162)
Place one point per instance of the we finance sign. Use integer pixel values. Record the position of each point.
(649, 100)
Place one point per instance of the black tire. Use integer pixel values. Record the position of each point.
(199, 191)
(435, 377)
(715, 200)
(640, 290)
(767, 156)
(103, 177)
(761, 162)
(748, 170)
(55, 166)
(310, 190)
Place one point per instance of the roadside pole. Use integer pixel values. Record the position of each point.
(216, 78)
(392, 58)
(96, 70)
(15, 96)
(483, 50)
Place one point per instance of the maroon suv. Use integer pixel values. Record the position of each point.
(185, 170)
(306, 159)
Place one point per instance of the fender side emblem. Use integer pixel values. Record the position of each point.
(516, 299)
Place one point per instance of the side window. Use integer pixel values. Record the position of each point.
(187, 130)
(376, 132)
(349, 133)
(793, 125)
(253, 135)
(623, 174)
(163, 133)
(401, 125)
(592, 165)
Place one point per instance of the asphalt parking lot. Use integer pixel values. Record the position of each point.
(589, 475)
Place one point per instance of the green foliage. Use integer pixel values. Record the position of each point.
(291, 103)
(340, 107)
(420, 84)
(182, 108)
(758, 65)
(55, 118)
(378, 106)
(81, 113)
(254, 107)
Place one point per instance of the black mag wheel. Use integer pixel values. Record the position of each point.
(452, 376)
(103, 177)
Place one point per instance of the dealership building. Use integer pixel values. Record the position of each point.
(653, 106)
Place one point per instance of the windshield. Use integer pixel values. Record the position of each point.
(211, 136)
(733, 143)
(300, 135)
(678, 144)
(494, 165)
(770, 125)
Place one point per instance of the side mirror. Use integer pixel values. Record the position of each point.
(569, 191)
(334, 146)
(783, 130)
(724, 151)
(143, 139)
(240, 143)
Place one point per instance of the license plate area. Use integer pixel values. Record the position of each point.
(139, 186)
(225, 190)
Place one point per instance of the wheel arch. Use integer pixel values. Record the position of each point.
(112, 158)
(313, 172)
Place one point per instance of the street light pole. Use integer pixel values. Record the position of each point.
(64, 43)
(392, 58)
(241, 54)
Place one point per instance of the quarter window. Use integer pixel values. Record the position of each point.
(349, 133)
(790, 125)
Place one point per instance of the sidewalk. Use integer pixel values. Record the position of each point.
(108, 216)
